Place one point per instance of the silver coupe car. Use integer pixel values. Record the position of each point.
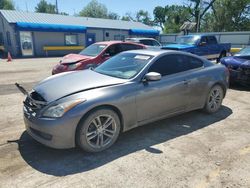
(90, 108)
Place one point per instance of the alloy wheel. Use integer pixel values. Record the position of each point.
(101, 131)
(215, 99)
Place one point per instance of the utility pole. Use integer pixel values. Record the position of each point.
(56, 7)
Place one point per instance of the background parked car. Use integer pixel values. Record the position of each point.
(94, 55)
(130, 89)
(201, 45)
(151, 43)
(239, 66)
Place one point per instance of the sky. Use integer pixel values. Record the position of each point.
(118, 6)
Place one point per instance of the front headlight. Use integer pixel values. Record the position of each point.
(58, 110)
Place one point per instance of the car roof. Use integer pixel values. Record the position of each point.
(149, 52)
(117, 42)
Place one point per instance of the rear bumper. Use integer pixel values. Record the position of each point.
(56, 133)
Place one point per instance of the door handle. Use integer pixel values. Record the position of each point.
(186, 82)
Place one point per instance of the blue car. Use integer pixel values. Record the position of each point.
(239, 66)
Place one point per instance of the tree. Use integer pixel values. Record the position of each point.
(94, 10)
(7, 5)
(198, 9)
(44, 7)
(170, 18)
(128, 17)
(230, 15)
(160, 16)
(113, 16)
(144, 17)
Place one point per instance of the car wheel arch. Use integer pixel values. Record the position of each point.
(214, 84)
(104, 106)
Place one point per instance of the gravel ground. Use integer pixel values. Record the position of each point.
(192, 150)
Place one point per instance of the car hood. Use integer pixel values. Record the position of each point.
(177, 46)
(235, 62)
(65, 84)
(73, 58)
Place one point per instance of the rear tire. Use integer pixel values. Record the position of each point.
(98, 131)
(214, 99)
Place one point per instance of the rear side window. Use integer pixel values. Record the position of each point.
(211, 40)
(172, 64)
(194, 63)
(126, 47)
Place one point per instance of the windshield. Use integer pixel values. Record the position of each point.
(187, 40)
(125, 65)
(93, 50)
(244, 51)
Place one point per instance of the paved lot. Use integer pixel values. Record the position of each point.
(192, 150)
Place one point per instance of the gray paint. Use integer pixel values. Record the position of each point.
(173, 94)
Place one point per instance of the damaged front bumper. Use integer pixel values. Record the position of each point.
(53, 132)
(241, 75)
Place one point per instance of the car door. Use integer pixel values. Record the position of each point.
(166, 96)
(197, 81)
(213, 47)
(202, 48)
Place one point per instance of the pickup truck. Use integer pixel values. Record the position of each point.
(202, 45)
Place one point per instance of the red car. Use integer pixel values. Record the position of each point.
(94, 55)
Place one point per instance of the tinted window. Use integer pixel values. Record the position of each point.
(171, 64)
(211, 40)
(114, 49)
(126, 47)
(204, 39)
(193, 63)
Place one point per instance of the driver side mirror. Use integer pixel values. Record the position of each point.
(203, 44)
(152, 76)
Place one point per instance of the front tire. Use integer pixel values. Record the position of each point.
(98, 131)
(214, 99)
